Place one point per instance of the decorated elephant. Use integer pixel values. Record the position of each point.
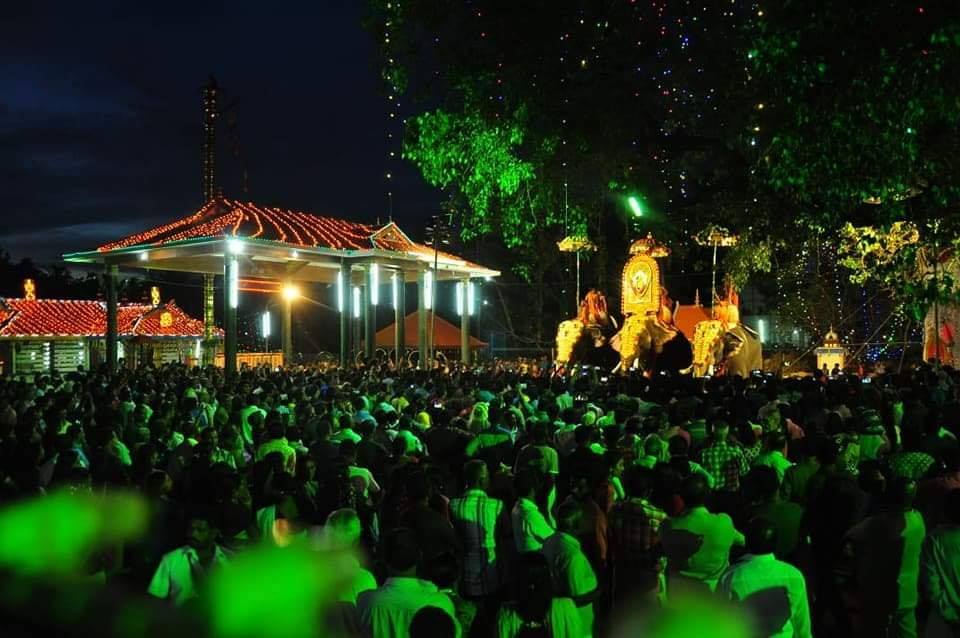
(724, 348)
(653, 344)
(585, 339)
(947, 351)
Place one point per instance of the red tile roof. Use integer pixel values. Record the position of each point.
(85, 318)
(225, 217)
(445, 334)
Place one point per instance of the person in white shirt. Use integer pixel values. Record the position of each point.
(573, 576)
(530, 527)
(360, 477)
(386, 612)
(773, 592)
(342, 531)
(181, 571)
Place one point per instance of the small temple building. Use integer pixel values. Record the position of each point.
(831, 353)
(45, 335)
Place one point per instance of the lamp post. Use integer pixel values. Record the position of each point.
(290, 292)
(439, 231)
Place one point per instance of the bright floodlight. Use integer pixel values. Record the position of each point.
(290, 292)
(635, 206)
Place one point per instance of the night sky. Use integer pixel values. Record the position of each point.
(100, 117)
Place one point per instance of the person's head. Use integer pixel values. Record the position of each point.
(475, 475)
(775, 441)
(678, 446)
(401, 552)
(901, 492)
(527, 483)
(871, 479)
(348, 451)
(613, 459)
(568, 518)
(540, 432)
(276, 429)
(432, 622)
(534, 588)
(158, 484)
(211, 437)
(201, 530)
(761, 536)
(721, 429)
(637, 481)
(442, 570)
(582, 435)
(418, 487)
(343, 528)
(762, 481)
(828, 453)
(656, 447)
(694, 490)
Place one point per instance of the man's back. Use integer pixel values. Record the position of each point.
(571, 572)
(697, 544)
(887, 547)
(475, 516)
(940, 572)
(386, 612)
(774, 593)
(726, 463)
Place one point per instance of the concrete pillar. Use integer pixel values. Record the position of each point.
(422, 303)
(110, 281)
(231, 299)
(465, 322)
(343, 306)
(399, 315)
(209, 321)
(286, 331)
(370, 293)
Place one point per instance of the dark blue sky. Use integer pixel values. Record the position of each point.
(100, 116)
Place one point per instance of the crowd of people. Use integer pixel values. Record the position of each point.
(484, 502)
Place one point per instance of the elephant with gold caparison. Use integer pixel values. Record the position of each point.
(653, 344)
(585, 339)
(732, 349)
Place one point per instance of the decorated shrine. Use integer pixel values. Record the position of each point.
(45, 335)
(832, 353)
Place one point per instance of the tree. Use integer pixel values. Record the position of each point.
(779, 122)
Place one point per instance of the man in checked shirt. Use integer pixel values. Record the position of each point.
(724, 459)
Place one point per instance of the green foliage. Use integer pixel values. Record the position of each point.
(750, 256)
(481, 162)
(860, 103)
(915, 271)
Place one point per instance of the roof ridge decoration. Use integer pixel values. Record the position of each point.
(391, 232)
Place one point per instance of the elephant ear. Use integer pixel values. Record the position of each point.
(732, 344)
(615, 341)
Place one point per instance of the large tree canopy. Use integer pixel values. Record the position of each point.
(781, 123)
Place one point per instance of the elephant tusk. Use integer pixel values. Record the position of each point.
(687, 370)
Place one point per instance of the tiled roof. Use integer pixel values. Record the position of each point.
(445, 334)
(225, 217)
(85, 318)
(222, 217)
